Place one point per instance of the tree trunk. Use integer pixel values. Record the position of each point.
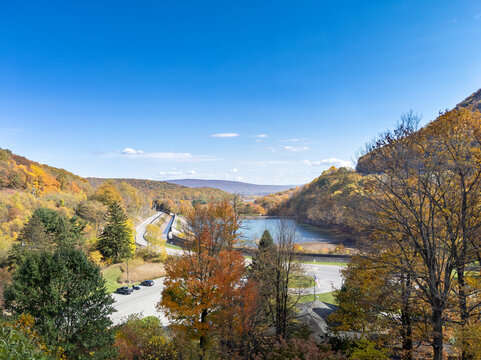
(128, 275)
(463, 310)
(437, 324)
(407, 331)
(203, 339)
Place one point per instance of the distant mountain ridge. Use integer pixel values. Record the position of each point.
(230, 186)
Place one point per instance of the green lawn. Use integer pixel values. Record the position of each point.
(111, 275)
(325, 297)
(170, 246)
(301, 281)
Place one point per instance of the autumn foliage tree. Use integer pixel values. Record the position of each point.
(424, 198)
(143, 338)
(205, 295)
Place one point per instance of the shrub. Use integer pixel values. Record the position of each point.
(303, 349)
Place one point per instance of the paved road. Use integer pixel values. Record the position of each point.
(141, 301)
(328, 277)
(140, 230)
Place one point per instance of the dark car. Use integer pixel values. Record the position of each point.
(147, 283)
(124, 290)
(136, 287)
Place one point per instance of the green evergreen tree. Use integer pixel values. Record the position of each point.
(116, 242)
(263, 270)
(61, 230)
(266, 241)
(66, 295)
(47, 230)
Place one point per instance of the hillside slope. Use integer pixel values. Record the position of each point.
(20, 173)
(26, 185)
(473, 102)
(172, 196)
(327, 200)
(229, 186)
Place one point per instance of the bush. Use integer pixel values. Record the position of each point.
(18, 340)
(303, 349)
(367, 350)
(145, 338)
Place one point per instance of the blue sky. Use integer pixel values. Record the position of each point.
(143, 89)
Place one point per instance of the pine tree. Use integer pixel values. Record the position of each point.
(116, 242)
(266, 240)
(66, 295)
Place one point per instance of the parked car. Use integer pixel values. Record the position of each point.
(136, 287)
(147, 283)
(124, 290)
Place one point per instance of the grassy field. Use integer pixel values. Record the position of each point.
(142, 271)
(301, 281)
(116, 275)
(325, 297)
(170, 246)
(112, 275)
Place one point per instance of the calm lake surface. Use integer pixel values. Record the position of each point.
(252, 229)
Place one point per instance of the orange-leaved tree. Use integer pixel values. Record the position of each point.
(204, 289)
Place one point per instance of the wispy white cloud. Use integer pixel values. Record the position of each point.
(478, 16)
(225, 135)
(295, 148)
(234, 170)
(162, 156)
(331, 161)
(452, 21)
(294, 140)
(130, 151)
(163, 173)
(261, 136)
(176, 172)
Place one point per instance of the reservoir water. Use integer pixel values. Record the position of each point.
(252, 229)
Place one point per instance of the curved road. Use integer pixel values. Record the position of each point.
(143, 301)
(142, 227)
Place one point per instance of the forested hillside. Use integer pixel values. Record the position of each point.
(20, 173)
(473, 101)
(26, 185)
(365, 163)
(327, 201)
(167, 196)
(330, 199)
